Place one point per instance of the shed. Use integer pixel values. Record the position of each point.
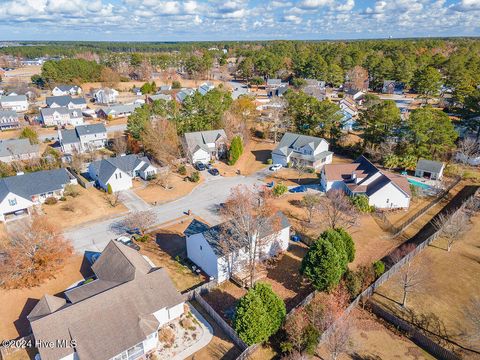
(429, 169)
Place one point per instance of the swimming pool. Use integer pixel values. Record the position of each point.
(419, 184)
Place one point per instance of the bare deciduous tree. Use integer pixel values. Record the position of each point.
(451, 226)
(294, 328)
(161, 140)
(337, 210)
(472, 312)
(119, 144)
(277, 118)
(141, 220)
(339, 340)
(248, 214)
(163, 177)
(410, 276)
(468, 149)
(301, 168)
(112, 199)
(310, 203)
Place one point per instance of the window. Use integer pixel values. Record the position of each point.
(120, 175)
(201, 248)
(388, 200)
(116, 176)
(12, 202)
(135, 352)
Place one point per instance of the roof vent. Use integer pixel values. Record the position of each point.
(20, 173)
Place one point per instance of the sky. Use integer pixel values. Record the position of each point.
(215, 20)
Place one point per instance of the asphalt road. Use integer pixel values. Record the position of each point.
(203, 201)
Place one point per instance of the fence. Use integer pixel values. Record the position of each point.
(418, 337)
(81, 180)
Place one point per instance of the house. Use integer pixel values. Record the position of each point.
(165, 88)
(203, 146)
(429, 169)
(315, 88)
(8, 120)
(18, 194)
(207, 251)
(61, 116)
(205, 87)
(307, 150)
(137, 91)
(183, 94)
(348, 105)
(116, 316)
(393, 87)
(17, 103)
(66, 101)
(356, 95)
(61, 90)
(384, 190)
(83, 138)
(164, 97)
(105, 96)
(116, 111)
(119, 171)
(18, 149)
(276, 87)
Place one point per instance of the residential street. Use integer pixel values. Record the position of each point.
(202, 201)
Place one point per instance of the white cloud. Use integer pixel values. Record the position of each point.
(293, 18)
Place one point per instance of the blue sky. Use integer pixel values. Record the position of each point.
(164, 20)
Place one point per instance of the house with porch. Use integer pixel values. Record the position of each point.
(429, 169)
(66, 101)
(203, 146)
(18, 150)
(105, 96)
(384, 190)
(18, 194)
(116, 316)
(309, 151)
(61, 116)
(8, 120)
(83, 138)
(118, 172)
(61, 90)
(208, 250)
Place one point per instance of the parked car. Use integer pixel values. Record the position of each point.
(209, 166)
(295, 238)
(200, 166)
(275, 167)
(298, 189)
(214, 172)
(125, 240)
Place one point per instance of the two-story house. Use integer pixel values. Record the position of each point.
(18, 103)
(117, 316)
(309, 151)
(83, 138)
(61, 90)
(66, 101)
(8, 120)
(18, 150)
(105, 96)
(203, 146)
(61, 116)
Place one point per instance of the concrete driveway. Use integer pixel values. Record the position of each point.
(202, 201)
(132, 201)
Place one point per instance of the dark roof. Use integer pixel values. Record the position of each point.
(35, 183)
(14, 147)
(90, 129)
(195, 227)
(127, 163)
(69, 136)
(64, 100)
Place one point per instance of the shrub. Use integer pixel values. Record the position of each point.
(109, 189)
(176, 84)
(361, 203)
(269, 161)
(353, 283)
(166, 336)
(63, 198)
(71, 190)
(311, 335)
(30, 134)
(68, 207)
(310, 170)
(142, 239)
(378, 268)
(235, 151)
(195, 177)
(187, 323)
(348, 242)
(280, 189)
(289, 164)
(182, 170)
(50, 201)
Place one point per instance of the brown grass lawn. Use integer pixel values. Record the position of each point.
(451, 281)
(290, 177)
(371, 339)
(17, 303)
(163, 246)
(220, 347)
(154, 193)
(90, 205)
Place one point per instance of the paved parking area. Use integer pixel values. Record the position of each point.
(132, 201)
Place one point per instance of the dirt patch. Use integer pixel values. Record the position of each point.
(223, 299)
(17, 303)
(89, 205)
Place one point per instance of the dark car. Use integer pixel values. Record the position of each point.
(214, 172)
(298, 189)
(200, 166)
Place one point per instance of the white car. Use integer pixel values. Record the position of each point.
(275, 167)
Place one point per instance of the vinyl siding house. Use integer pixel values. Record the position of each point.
(429, 169)
(183, 94)
(165, 97)
(105, 96)
(203, 146)
(384, 190)
(18, 150)
(308, 150)
(61, 116)
(18, 194)
(66, 101)
(205, 248)
(205, 87)
(393, 87)
(120, 171)
(83, 138)
(116, 111)
(18, 103)
(276, 87)
(61, 90)
(117, 316)
(8, 120)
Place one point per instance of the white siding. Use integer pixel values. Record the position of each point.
(12, 203)
(201, 156)
(119, 181)
(389, 197)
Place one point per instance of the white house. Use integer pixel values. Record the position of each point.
(116, 316)
(308, 150)
(105, 96)
(384, 190)
(18, 150)
(66, 101)
(18, 194)
(61, 90)
(206, 250)
(8, 120)
(118, 172)
(429, 169)
(17, 103)
(61, 116)
(203, 146)
(83, 138)
(116, 111)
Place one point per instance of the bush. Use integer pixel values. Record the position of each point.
(166, 336)
(50, 201)
(269, 161)
(279, 189)
(195, 177)
(348, 242)
(311, 335)
(361, 203)
(353, 283)
(310, 170)
(71, 190)
(378, 268)
(176, 84)
(182, 170)
(187, 323)
(109, 189)
(235, 151)
(289, 164)
(63, 198)
(68, 207)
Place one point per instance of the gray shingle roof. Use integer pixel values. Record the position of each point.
(291, 140)
(106, 167)
(69, 136)
(64, 100)
(12, 98)
(429, 166)
(50, 111)
(17, 147)
(35, 183)
(67, 87)
(121, 108)
(201, 138)
(90, 129)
